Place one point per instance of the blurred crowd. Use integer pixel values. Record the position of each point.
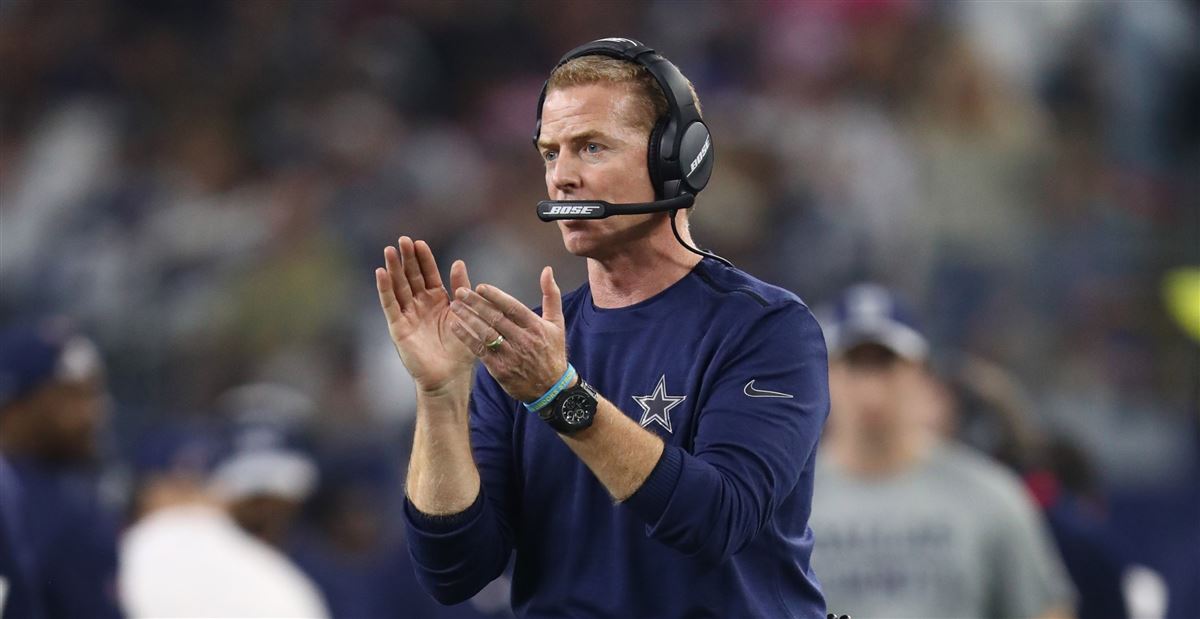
(204, 188)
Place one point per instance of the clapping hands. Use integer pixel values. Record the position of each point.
(439, 333)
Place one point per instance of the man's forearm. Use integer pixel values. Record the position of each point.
(619, 452)
(442, 476)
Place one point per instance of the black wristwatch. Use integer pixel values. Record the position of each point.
(573, 410)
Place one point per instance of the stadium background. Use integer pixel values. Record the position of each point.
(206, 188)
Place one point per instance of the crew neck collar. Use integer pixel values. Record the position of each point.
(633, 317)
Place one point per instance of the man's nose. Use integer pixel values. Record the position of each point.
(564, 175)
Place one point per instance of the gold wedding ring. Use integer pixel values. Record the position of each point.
(494, 344)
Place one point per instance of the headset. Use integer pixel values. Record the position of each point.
(680, 154)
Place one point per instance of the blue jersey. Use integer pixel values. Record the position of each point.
(18, 599)
(732, 374)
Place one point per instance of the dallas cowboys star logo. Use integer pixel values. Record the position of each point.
(657, 406)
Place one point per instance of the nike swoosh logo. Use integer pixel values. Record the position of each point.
(762, 393)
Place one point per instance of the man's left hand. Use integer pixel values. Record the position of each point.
(532, 354)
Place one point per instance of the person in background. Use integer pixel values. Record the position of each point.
(908, 524)
(265, 482)
(187, 554)
(187, 557)
(992, 413)
(53, 402)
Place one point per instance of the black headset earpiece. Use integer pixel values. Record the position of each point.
(653, 157)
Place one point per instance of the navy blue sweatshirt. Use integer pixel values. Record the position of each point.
(732, 374)
(18, 599)
(73, 539)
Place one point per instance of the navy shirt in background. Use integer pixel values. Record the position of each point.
(18, 599)
(73, 541)
(732, 374)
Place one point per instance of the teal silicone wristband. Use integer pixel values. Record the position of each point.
(548, 397)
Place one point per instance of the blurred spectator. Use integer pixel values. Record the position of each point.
(186, 557)
(265, 485)
(909, 525)
(269, 474)
(53, 403)
(214, 504)
(992, 413)
(266, 477)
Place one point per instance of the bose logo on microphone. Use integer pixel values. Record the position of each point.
(700, 157)
(573, 210)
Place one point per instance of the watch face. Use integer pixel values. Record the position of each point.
(577, 409)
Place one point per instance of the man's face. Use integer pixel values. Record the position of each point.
(593, 151)
(265, 516)
(877, 391)
(67, 415)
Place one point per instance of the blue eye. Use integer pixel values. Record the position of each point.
(549, 155)
(593, 148)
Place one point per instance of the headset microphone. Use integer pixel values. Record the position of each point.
(550, 210)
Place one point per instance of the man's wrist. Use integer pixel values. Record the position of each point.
(454, 388)
(444, 399)
(444, 405)
(564, 382)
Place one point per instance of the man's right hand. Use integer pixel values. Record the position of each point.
(417, 308)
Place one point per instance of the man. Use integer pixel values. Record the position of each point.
(52, 404)
(911, 526)
(645, 445)
(265, 481)
(185, 553)
(186, 556)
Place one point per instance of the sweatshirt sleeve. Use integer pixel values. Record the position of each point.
(455, 556)
(757, 428)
